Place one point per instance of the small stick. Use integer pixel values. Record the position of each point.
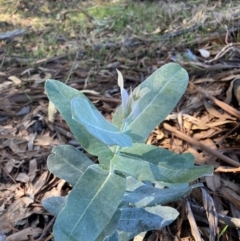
(46, 229)
(225, 169)
(201, 146)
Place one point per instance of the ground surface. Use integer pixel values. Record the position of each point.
(82, 43)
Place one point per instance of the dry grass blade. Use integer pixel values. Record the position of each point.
(235, 213)
(226, 220)
(211, 214)
(194, 227)
(230, 195)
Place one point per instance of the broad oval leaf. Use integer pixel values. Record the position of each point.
(150, 164)
(54, 205)
(68, 163)
(90, 206)
(166, 85)
(114, 237)
(168, 214)
(146, 195)
(137, 220)
(109, 231)
(97, 125)
(61, 95)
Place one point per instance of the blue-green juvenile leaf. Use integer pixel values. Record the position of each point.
(68, 163)
(54, 205)
(61, 95)
(90, 206)
(146, 195)
(109, 231)
(137, 220)
(124, 95)
(167, 215)
(150, 164)
(166, 85)
(114, 237)
(97, 125)
(129, 109)
(189, 157)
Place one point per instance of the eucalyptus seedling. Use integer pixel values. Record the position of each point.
(123, 195)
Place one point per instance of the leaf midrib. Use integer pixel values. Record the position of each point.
(89, 204)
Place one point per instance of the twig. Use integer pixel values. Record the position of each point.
(12, 34)
(225, 169)
(201, 146)
(223, 51)
(46, 230)
(77, 10)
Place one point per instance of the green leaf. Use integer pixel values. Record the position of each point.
(189, 157)
(54, 205)
(156, 164)
(166, 85)
(97, 125)
(114, 237)
(68, 163)
(168, 214)
(147, 195)
(137, 220)
(111, 227)
(61, 95)
(125, 236)
(90, 206)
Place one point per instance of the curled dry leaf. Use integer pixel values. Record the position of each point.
(11, 164)
(213, 182)
(22, 177)
(25, 234)
(51, 111)
(227, 183)
(211, 110)
(32, 169)
(229, 93)
(230, 195)
(15, 212)
(41, 181)
(211, 213)
(15, 80)
(46, 140)
(236, 89)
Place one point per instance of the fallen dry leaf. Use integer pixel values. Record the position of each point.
(25, 234)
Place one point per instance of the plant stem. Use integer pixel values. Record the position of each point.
(116, 148)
